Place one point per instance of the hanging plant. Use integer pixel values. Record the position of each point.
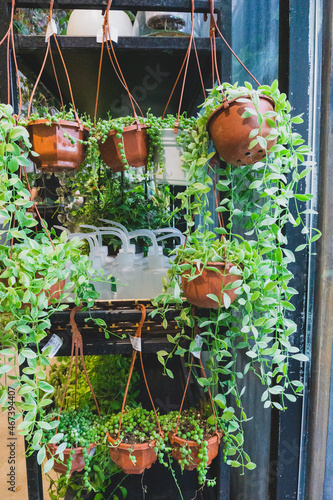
(260, 200)
(37, 262)
(137, 446)
(73, 441)
(195, 443)
(57, 139)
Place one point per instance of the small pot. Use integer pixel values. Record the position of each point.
(144, 454)
(197, 289)
(230, 132)
(78, 459)
(173, 173)
(195, 448)
(52, 143)
(135, 146)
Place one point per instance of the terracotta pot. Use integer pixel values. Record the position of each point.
(78, 460)
(144, 454)
(56, 152)
(197, 289)
(54, 292)
(230, 132)
(135, 147)
(212, 449)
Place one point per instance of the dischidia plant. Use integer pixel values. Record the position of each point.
(259, 200)
(34, 267)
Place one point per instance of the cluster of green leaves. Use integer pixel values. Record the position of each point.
(259, 201)
(108, 195)
(79, 428)
(140, 426)
(34, 266)
(34, 21)
(100, 369)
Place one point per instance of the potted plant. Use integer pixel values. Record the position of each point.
(57, 139)
(171, 146)
(70, 444)
(259, 201)
(194, 442)
(33, 265)
(239, 116)
(135, 440)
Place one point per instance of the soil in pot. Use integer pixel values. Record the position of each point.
(58, 144)
(209, 282)
(230, 132)
(189, 452)
(134, 451)
(134, 143)
(78, 462)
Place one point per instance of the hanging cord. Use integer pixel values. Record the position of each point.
(138, 335)
(48, 49)
(77, 348)
(196, 332)
(214, 27)
(9, 36)
(185, 64)
(116, 66)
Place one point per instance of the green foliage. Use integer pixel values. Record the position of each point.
(109, 196)
(108, 376)
(32, 271)
(259, 201)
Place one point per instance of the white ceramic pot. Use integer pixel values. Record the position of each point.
(172, 173)
(85, 22)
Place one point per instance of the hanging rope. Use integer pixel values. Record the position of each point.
(76, 350)
(138, 336)
(214, 28)
(106, 39)
(196, 332)
(48, 50)
(185, 64)
(9, 37)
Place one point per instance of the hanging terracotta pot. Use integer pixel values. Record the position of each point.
(209, 282)
(58, 144)
(77, 462)
(135, 142)
(212, 449)
(230, 132)
(144, 454)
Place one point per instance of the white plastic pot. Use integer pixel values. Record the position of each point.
(85, 22)
(173, 173)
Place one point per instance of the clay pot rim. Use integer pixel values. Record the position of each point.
(221, 108)
(129, 128)
(138, 446)
(63, 123)
(188, 442)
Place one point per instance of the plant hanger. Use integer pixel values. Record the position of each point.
(178, 443)
(9, 37)
(107, 40)
(144, 453)
(76, 351)
(185, 65)
(51, 32)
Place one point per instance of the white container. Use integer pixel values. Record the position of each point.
(156, 23)
(86, 22)
(173, 173)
